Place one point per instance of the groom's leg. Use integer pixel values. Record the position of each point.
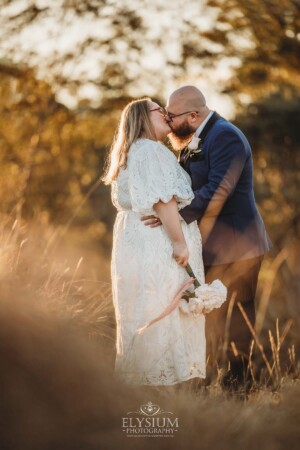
(228, 335)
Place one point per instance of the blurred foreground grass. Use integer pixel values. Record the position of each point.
(57, 340)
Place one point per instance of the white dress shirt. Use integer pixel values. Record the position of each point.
(202, 125)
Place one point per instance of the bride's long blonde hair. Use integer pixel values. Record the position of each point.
(135, 122)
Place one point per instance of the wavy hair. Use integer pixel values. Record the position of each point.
(135, 122)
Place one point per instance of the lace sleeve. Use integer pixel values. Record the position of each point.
(154, 175)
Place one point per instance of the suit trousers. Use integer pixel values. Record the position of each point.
(228, 336)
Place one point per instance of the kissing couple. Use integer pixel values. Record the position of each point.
(182, 224)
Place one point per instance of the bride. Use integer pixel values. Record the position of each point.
(148, 264)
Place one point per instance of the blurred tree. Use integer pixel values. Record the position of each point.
(111, 49)
(94, 45)
(265, 37)
(50, 157)
(273, 128)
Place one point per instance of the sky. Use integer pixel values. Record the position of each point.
(56, 35)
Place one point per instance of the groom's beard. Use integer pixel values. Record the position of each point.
(181, 137)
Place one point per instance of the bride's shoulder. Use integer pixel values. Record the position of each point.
(144, 148)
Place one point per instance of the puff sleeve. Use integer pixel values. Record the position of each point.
(155, 175)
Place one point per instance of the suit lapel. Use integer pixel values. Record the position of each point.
(184, 158)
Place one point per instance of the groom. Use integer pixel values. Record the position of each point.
(218, 158)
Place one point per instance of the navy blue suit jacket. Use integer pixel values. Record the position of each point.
(224, 205)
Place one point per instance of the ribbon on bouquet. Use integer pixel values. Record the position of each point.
(180, 294)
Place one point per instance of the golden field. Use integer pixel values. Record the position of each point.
(57, 355)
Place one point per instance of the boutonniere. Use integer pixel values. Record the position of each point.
(194, 146)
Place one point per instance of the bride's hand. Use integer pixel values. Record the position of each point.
(181, 253)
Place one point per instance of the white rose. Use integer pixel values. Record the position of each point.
(193, 144)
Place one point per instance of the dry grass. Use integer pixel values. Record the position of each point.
(57, 338)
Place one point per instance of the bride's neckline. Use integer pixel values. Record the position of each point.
(140, 142)
(144, 139)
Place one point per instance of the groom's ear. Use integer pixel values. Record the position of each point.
(192, 118)
(193, 115)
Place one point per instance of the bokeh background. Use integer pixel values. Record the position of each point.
(67, 68)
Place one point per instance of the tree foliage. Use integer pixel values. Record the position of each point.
(52, 156)
(265, 35)
(273, 128)
(139, 47)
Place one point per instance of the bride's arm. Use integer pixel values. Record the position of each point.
(168, 214)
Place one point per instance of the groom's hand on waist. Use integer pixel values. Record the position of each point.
(151, 221)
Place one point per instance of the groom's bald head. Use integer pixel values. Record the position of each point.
(186, 111)
(187, 98)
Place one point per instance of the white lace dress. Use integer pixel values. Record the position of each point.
(145, 277)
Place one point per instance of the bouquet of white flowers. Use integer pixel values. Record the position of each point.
(202, 299)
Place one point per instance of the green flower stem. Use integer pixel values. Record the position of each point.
(191, 274)
(187, 294)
